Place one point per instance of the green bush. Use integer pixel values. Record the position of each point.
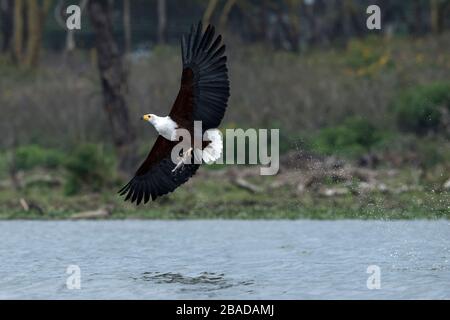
(31, 156)
(354, 137)
(432, 152)
(3, 164)
(419, 109)
(88, 167)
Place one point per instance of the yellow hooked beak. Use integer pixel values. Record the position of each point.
(146, 117)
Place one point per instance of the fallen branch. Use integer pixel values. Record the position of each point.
(332, 192)
(244, 184)
(30, 206)
(446, 185)
(94, 214)
(24, 204)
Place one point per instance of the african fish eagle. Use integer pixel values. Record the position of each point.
(203, 96)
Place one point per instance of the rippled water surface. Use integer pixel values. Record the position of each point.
(225, 259)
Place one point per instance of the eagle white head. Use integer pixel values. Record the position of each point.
(164, 125)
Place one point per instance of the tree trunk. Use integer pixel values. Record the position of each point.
(30, 14)
(114, 83)
(415, 21)
(294, 24)
(34, 33)
(127, 25)
(162, 21)
(209, 12)
(263, 32)
(225, 14)
(18, 31)
(347, 12)
(6, 17)
(435, 16)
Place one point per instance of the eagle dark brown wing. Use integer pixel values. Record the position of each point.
(205, 87)
(154, 177)
(203, 96)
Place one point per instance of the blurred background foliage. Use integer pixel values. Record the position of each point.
(88, 165)
(310, 68)
(424, 109)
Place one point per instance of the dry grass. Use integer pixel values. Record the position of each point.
(60, 104)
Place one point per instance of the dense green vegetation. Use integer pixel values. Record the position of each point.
(354, 137)
(28, 157)
(424, 108)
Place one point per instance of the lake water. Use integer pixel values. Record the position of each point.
(220, 259)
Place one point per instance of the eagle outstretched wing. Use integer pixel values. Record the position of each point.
(154, 177)
(205, 88)
(203, 96)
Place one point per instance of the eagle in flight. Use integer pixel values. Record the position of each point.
(203, 97)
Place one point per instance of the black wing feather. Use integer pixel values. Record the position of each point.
(206, 59)
(159, 181)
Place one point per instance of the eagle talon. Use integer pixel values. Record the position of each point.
(183, 159)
